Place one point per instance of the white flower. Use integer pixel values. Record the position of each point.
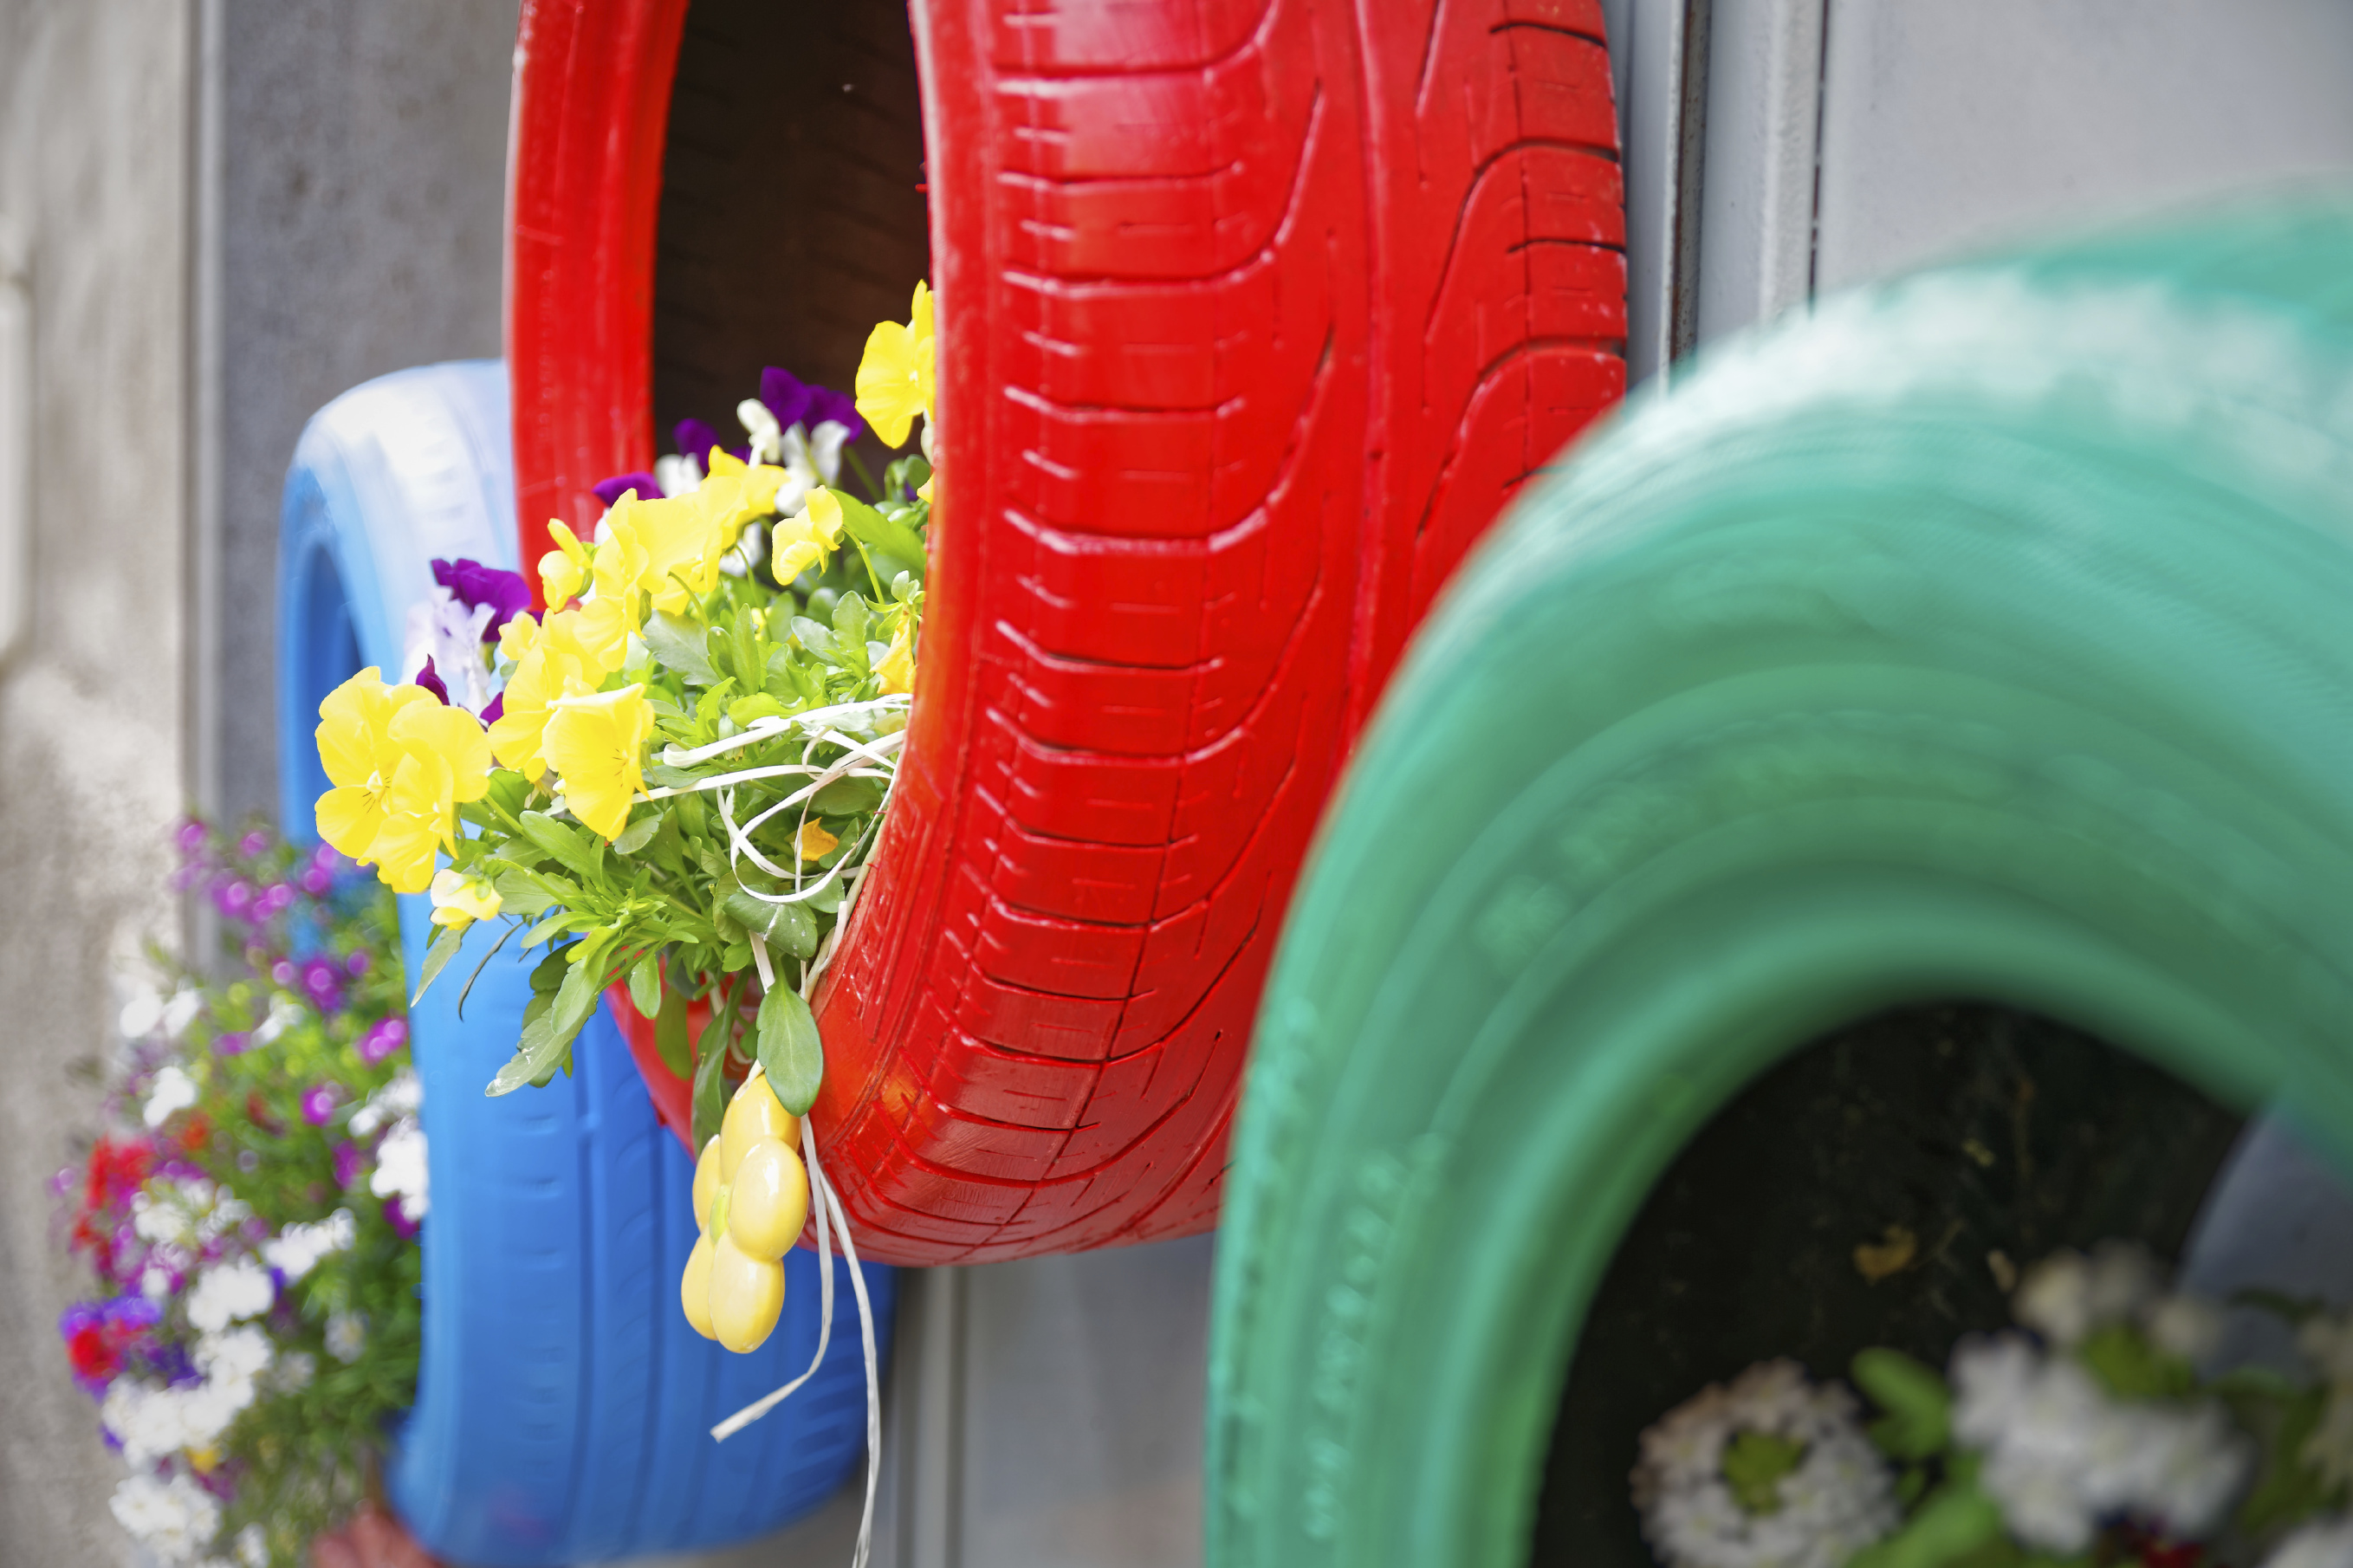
(400, 1168)
(173, 1091)
(284, 1014)
(450, 632)
(808, 460)
(1835, 1503)
(253, 1547)
(298, 1247)
(679, 475)
(2062, 1454)
(235, 1359)
(228, 1292)
(291, 1373)
(175, 1520)
(2067, 1296)
(346, 1336)
(186, 1213)
(181, 1011)
(760, 424)
(2317, 1543)
(141, 1014)
(402, 1097)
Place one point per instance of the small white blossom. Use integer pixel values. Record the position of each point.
(1836, 1502)
(236, 1359)
(2061, 1455)
(228, 1292)
(291, 1373)
(253, 1547)
(760, 424)
(402, 1097)
(173, 1091)
(180, 1011)
(284, 1014)
(298, 1249)
(346, 1336)
(141, 1014)
(400, 1168)
(175, 1519)
(2317, 1543)
(2327, 1344)
(2067, 1296)
(679, 475)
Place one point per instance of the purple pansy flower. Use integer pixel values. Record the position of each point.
(233, 1043)
(348, 1159)
(388, 1036)
(611, 491)
(431, 680)
(252, 845)
(357, 963)
(192, 837)
(276, 897)
(494, 710)
(322, 982)
(796, 402)
(696, 438)
(475, 585)
(318, 1104)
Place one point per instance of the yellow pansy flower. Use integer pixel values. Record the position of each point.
(807, 537)
(460, 900)
(564, 571)
(672, 547)
(898, 667)
(736, 493)
(813, 841)
(553, 663)
(593, 742)
(894, 377)
(399, 762)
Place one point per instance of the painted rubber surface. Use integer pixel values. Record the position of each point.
(1259, 312)
(564, 1406)
(1984, 636)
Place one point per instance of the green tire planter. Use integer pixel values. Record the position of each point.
(1985, 634)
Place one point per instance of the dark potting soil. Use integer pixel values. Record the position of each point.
(1970, 1130)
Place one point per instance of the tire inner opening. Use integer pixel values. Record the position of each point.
(792, 216)
(1976, 1127)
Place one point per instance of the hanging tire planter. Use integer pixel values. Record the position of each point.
(1253, 318)
(564, 1406)
(1981, 636)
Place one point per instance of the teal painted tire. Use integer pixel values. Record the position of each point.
(1986, 635)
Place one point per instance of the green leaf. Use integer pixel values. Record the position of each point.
(1956, 1521)
(827, 899)
(849, 619)
(1754, 1463)
(2130, 1367)
(662, 776)
(1919, 1406)
(575, 850)
(817, 639)
(710, 1098)
(532, 1055)
(677, 643)
(547, 976)
(848, 797)
(670, 1033)
(552, 926)
(645, 985)
(521, 894)
(437, 958)
(787, 926)
(639, 833)
(884, 533)
(548, 1026)
(791, 1054)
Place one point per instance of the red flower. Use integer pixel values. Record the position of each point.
(196, 1133)
(93, 1359)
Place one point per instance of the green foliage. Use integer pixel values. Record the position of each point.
(1753, 1464)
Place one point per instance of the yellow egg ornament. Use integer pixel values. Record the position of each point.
(751, 1199)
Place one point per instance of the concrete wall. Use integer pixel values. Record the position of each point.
(94, 112)
(355, 214)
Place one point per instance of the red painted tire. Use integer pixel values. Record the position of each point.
(1257, 312)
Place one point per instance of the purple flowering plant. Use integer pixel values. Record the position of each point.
(249, 1219)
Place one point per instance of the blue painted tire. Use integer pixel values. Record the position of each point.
(564, 1407)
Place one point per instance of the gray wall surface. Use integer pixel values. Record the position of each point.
(93, 118)
(356, 224)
